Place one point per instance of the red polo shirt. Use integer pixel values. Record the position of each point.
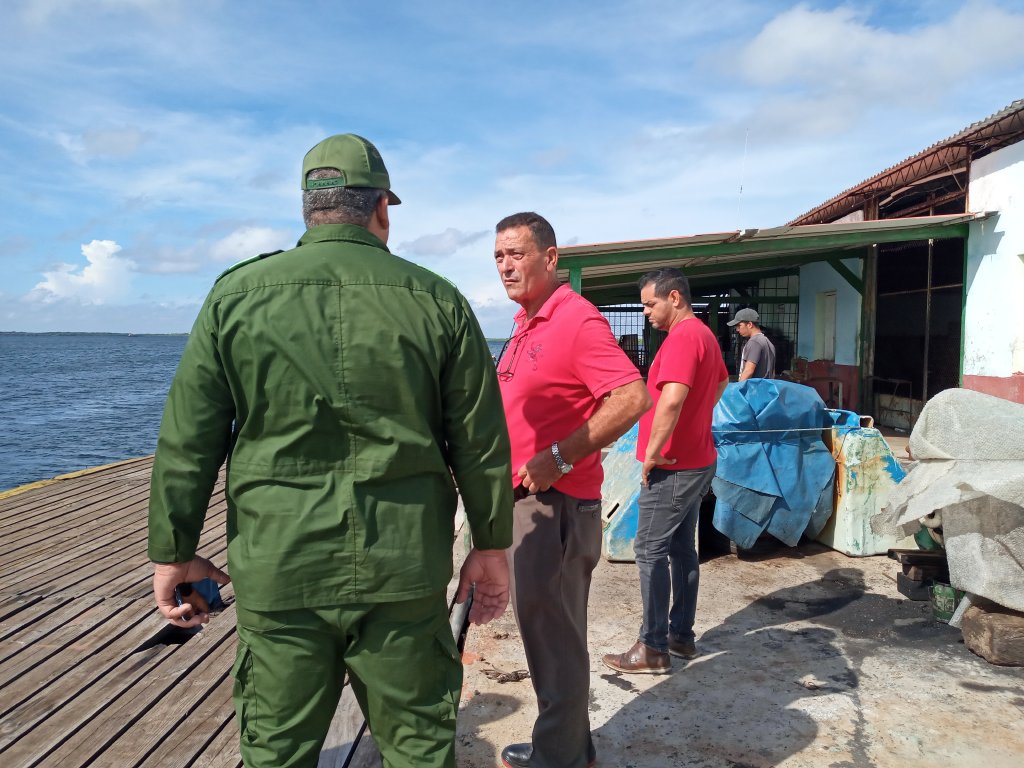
(689, 355)
(555, 371)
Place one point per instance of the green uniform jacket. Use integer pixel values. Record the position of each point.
(348, 386)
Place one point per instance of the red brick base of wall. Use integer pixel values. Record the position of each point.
(825, 376)
(1007, 387)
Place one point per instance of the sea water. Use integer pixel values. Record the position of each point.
(70, 401)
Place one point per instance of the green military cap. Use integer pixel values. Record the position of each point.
(355, 158)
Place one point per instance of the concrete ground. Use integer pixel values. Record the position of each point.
(810, 658)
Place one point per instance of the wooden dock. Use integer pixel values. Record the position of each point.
(90, 673)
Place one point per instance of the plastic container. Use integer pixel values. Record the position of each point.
(944, 600)
(866, 473)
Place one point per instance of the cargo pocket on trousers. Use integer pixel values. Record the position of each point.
(243, 691)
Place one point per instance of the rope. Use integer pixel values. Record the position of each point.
(846, 428)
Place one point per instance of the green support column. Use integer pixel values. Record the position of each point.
(713, 306)
(576, 279)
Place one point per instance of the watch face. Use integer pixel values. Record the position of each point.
(563, 467)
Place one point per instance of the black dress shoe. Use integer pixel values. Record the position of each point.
(518, 755)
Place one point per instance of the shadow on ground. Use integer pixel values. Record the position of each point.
(731, 706)
(769, 675)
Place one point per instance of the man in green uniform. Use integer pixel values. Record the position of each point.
(352, 392)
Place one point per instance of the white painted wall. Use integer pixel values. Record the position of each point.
(819, 278)
(993, 318)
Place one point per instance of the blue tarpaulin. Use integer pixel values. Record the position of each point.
(774, 474)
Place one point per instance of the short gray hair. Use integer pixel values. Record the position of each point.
(338, 205)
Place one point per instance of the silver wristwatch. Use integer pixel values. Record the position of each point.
(563, 466)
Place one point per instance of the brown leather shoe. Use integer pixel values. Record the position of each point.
(684, 649)
(639, 660)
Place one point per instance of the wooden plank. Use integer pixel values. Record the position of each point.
(139, 720)
(89, 632)
(195, 736)
(11, 605)
(366, 755)
(102, 519)
(77, 690)
(103, 515)
(223, 751)
(18, 505)
(61, 502)
(55, 501)
(917, 556)
(95, 564)
(135, 581)
(39, 622)
(343, 735)
(102, 679)
(189, 662)
(75, 565)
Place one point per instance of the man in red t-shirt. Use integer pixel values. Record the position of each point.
(568, 391)
(674, 443)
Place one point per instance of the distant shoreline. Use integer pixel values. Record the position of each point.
(126, 333)
(85, 333)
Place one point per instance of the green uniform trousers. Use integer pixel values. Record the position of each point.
(403, 665)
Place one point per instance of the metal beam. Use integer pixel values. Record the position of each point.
(868, 318)
(767, 264)
(963, 316)
(847, 274)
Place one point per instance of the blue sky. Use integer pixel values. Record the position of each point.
(146, 145)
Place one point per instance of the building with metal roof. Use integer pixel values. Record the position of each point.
(880, 297)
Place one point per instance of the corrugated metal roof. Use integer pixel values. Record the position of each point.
(999, 129)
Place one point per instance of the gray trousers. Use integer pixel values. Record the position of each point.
(556, 543)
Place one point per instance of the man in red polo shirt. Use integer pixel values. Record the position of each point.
(674, 443)
(568, 391)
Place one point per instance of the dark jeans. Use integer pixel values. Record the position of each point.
(556, 544)
(666, 552)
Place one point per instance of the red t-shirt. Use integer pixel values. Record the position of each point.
(689, 355)
(555, 371)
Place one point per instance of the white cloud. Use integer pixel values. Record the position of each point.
(166, 260)
(249, 241)
(106, 276)
(839, 51)
(102, 143)
(177, 139)
(40, 11)
(442, 244)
